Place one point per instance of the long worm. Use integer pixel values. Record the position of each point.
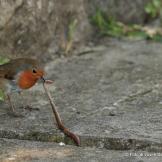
(60, 124)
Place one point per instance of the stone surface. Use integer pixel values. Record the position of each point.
(110, 97)
(18, 151)
(121, 10)
(28, 28)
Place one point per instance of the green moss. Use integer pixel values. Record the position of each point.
(3, 60)
(138, 33)
(2, 96)
(108, 26)
(56, 139)
(158, 38)
(154, 8)
(38, 136)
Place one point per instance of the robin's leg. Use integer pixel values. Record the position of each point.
(12, 107)
(27, 106)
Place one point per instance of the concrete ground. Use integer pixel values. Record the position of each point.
(20, 151)
(110, 95)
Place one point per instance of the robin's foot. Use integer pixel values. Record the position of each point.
(30, 108)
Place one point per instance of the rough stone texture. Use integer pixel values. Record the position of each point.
(18, 151)
(28, 28)
(124, 10)
(110, 97)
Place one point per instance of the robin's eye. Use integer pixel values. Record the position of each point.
(34, 71)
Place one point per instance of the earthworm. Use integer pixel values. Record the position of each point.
(60, 124)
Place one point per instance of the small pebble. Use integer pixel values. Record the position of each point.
(62, 144)
(11, 158)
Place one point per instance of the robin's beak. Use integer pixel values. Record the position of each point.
(43, 79)
(47, 81)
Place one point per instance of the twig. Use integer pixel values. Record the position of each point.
(60, 124)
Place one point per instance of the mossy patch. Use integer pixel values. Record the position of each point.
(108, 26)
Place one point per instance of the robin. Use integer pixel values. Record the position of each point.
(17, 75)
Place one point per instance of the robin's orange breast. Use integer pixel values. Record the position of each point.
(27, 80)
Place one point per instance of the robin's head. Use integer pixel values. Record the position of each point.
(30, 73)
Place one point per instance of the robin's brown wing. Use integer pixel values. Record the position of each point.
(7, 71)
(10, 69)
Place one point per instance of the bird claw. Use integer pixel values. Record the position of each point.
(28, 107)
